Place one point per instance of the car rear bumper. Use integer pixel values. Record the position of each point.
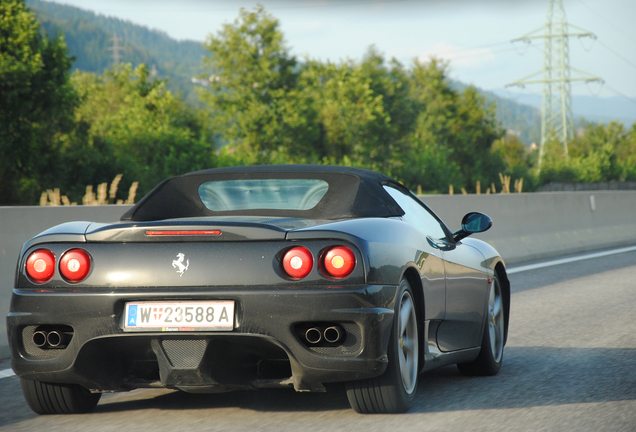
(266, 348)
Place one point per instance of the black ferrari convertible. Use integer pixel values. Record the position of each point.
(258, 277)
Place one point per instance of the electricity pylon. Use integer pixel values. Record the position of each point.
(116, 48)
(556, 112)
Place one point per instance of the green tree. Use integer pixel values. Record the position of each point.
(253, 97)
(596, 148)
(350, 115)
(128, 123)
(599, 152)
(36, 103)
(515, 157)
(453, 132)
(475, 129)
(555, 166)
(391, 81)
(626, 155)
(270, 108)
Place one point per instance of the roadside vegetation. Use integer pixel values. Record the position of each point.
(262, 105)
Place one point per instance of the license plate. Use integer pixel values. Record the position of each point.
(180, 316)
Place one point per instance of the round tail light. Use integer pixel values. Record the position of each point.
(40, 265)
(298, 262)
(75, 265)
(339, 262)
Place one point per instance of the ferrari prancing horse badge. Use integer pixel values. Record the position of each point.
(179, 265)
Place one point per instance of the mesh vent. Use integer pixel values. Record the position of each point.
(350, 346)
(184, 354)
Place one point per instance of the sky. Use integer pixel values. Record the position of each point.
(473, 35)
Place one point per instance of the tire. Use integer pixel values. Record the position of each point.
(45, 398)
(393, 391)
(490, 357)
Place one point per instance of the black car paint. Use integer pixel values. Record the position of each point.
(268, 304)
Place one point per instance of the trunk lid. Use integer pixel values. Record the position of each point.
(187, 254)
(242, 228)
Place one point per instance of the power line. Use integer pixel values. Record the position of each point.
(556, 113)
(618, 55)
(470, 54)
(473, 51)
(608, 21)
(632, 100)
(477, 47)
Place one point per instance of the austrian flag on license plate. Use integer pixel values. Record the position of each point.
(180, 316)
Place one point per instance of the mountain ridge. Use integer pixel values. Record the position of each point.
(89, 37)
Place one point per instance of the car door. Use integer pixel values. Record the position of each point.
(431, 259)
(466, 298)
(465, 278)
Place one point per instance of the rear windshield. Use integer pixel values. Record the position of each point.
(278, 194)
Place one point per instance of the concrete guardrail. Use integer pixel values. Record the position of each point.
(528, 226)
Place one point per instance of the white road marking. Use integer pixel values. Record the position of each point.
(6, 373)
(569, 260)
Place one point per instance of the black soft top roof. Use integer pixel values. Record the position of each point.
(352, 193)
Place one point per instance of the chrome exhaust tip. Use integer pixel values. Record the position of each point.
(52, 336)
(39, 338)
(332, 334)
(313, 335)
(54, 339)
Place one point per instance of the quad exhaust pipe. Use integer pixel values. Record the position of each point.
(51, 339)
(332, 334)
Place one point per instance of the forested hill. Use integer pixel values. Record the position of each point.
(89, 37)
(518, 119)
(522, 120)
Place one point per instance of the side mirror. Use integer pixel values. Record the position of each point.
(473, 223)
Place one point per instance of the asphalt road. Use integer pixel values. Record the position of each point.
(570, 365)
